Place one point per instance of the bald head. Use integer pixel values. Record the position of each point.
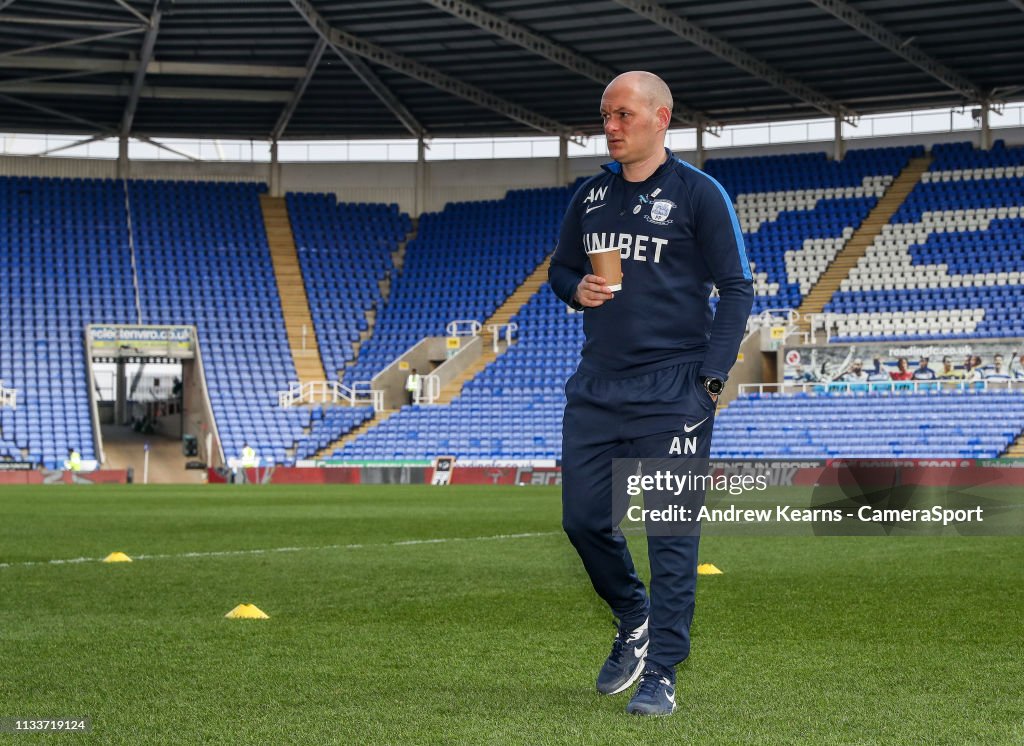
(637, 109)
(648, 86)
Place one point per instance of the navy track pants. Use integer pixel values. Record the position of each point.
(635, 417)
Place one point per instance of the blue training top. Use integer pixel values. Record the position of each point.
(678, 235)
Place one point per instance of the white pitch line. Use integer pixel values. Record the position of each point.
(275, 550)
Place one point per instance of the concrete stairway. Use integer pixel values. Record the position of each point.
(354, 433)
(506, 311)
(1015, 449)
(512, 305)
(294, 303)
(814, 302)
(522, 294)
(454, 388)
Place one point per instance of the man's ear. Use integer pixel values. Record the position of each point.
(664, 115)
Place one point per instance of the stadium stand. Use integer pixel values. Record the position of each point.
(797, 212)
(326, 424)
(463, 263)
(950, 262)
(203, 258)
(512, 410)
(64, 263)
(928, 423)
(345, 253)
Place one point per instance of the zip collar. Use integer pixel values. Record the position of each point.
(614, 167)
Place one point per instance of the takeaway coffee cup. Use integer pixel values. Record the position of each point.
(607, 263)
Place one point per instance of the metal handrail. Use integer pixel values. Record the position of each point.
(330, 392)
(510, 327)
(430, 389)
(938, 384)
(463, 328)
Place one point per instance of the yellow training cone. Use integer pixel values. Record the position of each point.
(706, 568)
(246, 611)
(117, 557)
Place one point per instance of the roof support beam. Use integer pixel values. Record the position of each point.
(902, 47)
(381, 91)
(155, 67)
(166, 93)
(70, 145)
(1018, 4)
(300, 88)
(682, 28)
(145, 55)
(538, 44)
(132, 10)
(64, 22)
(56, 113)
(168, 148)
(338, 38)
(75, 42)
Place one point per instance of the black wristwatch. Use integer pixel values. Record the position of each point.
(714, 386)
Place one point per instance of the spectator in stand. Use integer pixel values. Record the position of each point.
(902, 372)
(949, 373)
(923, 372)
(878, 372)
(856, 373)
(1017, 366)
(997, 371)
(973, 371)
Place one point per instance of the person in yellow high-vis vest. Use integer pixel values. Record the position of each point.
(249, 459)
(412, 386)
(74, 462)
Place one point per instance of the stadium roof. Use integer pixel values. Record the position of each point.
(312, 69)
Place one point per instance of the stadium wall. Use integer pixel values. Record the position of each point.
(446, 181)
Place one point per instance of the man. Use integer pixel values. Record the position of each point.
(923, 371)
(74, 462)
(249, 459)
(412, 386)
(878, 371)
(998, 371)
(949, 373)
(856, 373)
(653, 363)
(1017, 366)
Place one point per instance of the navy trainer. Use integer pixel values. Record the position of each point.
(656, 695)
(626, 661)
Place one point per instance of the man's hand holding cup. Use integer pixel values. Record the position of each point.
(593, 291)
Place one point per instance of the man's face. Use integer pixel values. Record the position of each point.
(998, 360)
(633, 127)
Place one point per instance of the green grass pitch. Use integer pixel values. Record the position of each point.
(378, 635)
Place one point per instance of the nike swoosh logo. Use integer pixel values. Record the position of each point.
(639, 652)
(691, 428)
(596, 207)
